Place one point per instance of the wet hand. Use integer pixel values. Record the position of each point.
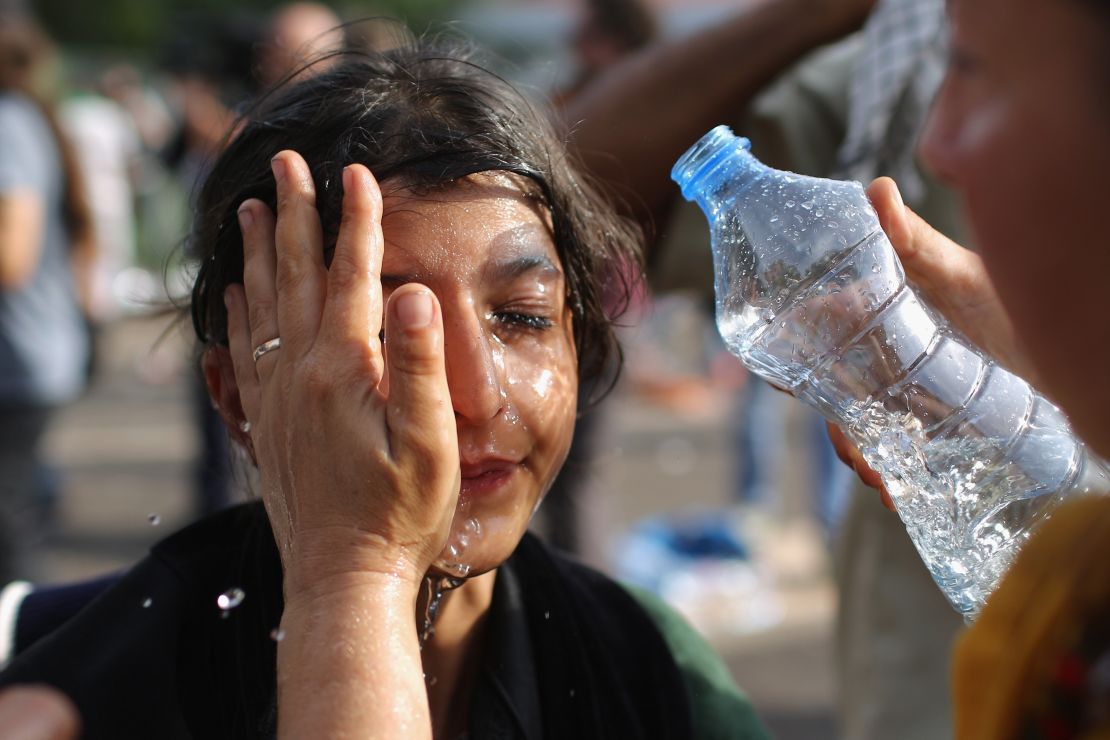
(355, 482)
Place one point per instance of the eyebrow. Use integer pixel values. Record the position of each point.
(511, 269)
(500, 271)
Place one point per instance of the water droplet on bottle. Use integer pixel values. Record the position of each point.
(153, 519)
(230, 599)
(774, 219)
(808, 205)
(834, 224)
(819, 213)
(875, 268)
(277, 634)
(147, 602)
(790, 204)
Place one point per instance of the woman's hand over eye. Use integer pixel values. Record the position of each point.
(355, 483)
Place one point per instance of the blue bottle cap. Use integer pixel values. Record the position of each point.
(700, 159)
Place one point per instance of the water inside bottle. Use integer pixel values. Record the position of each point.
(973, 459)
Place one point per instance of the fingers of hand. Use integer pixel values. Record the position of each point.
(300, 274)
(352, 314)
(892, 212)
(241, 344)
(256, 223)
(931, 259)
(850, 455)
(419, 412)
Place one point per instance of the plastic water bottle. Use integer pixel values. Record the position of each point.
(812, 297)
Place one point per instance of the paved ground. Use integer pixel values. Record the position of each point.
(125, 452)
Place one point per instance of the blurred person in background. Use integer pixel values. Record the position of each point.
(224, 71)
(107, 146)
(853, 109)
(46, 250)
(606, 32)
(296, 34)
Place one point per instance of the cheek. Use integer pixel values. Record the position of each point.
(542, 384)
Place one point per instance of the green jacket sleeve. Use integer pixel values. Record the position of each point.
(720, 709)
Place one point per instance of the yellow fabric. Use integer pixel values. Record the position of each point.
(1060, 582)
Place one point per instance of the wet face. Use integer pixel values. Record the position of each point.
(486, 251)
(1021, 127)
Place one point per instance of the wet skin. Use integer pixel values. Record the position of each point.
(486, 252)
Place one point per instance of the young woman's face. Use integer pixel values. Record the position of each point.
(486, 251)
(1021, 127)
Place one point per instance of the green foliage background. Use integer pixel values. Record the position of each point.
(147, 24)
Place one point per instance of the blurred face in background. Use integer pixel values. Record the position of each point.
(297, 34)
(1021, 127)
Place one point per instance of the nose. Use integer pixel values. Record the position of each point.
(474, 372)
(935, 145)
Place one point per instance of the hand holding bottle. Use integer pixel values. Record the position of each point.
(954, 280)
(812, 296)
(951, 278)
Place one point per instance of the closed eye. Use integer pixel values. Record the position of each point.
(516, 319)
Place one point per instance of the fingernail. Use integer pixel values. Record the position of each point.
(348, 180)
(246, 218)
(414, 310)
(277, 165)
(227, 298)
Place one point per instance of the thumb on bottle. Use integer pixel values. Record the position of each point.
(893, 216)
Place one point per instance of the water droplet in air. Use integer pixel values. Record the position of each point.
(147, 602)
(572, 693)
(547, 615)
(245, 427)
(230, 599)
(277, 634)
(154, 519)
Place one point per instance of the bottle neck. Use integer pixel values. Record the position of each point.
(717, 157)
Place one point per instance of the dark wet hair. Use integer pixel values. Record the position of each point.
(420, 116)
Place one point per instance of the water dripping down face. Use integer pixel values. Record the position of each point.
(484, 247)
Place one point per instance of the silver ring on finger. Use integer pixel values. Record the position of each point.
(265, 347)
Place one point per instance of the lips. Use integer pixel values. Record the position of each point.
(486, 475)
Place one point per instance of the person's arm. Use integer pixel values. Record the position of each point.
(631, 124)
(21, 230)
(359, 485)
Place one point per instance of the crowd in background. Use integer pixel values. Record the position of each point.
(99, 161)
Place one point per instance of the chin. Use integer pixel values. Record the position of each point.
(480, 544)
